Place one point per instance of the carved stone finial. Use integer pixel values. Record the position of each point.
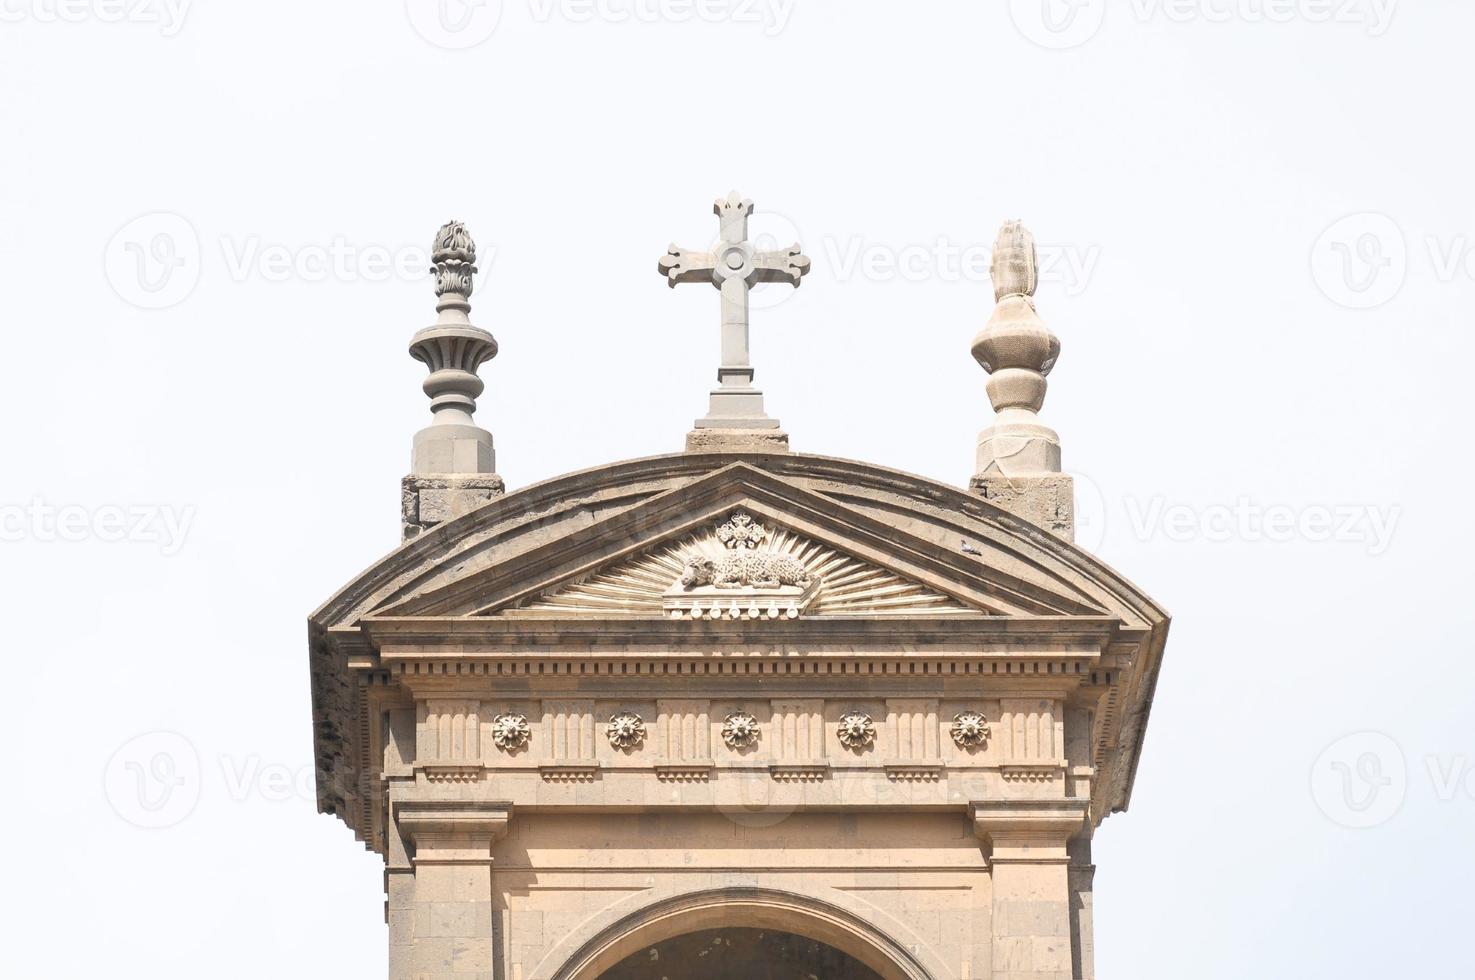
(453, 466)
(1018, 351)
(1014, 267)
(454, 255)
(1018, 461)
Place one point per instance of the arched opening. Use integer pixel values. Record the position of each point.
(754, 934)
(739, 954)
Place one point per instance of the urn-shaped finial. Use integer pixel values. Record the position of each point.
(1018, 351)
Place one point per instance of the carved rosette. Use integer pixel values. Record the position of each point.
(857, 731)
(510, 732)
(970, 729)
(625, 730)
(740, 730)
(741, 531)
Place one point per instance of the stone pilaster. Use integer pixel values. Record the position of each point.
(1033, 935)
(440, 917)
(1082, 887)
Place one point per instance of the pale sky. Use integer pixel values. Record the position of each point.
(1258, 235)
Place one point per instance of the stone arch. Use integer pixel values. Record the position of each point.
(743, 907)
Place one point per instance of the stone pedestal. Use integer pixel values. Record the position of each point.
(426, 501)
(703, 440)
(1046, 500)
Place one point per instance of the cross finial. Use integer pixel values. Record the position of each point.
(734, 267)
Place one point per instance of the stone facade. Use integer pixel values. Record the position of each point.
(733, 689)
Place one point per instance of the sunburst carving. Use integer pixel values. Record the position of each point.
(850, 587)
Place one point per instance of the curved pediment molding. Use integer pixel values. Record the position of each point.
(1046, 574)
(990, 580)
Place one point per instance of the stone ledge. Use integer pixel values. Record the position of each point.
(737, 441)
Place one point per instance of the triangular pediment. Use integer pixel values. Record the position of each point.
(630, 562)
(745, 565)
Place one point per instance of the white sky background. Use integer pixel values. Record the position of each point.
(1210, 379)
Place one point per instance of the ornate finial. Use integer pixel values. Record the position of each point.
(1018, 351)
(1014, 268)
(453, 467)
(454, 255)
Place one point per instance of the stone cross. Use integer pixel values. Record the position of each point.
(734, 268)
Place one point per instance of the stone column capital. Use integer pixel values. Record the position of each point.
(1029, 831)
(453, 831)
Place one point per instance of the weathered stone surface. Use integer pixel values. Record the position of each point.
(426, 501)
(737, 441)
(1048, 501)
